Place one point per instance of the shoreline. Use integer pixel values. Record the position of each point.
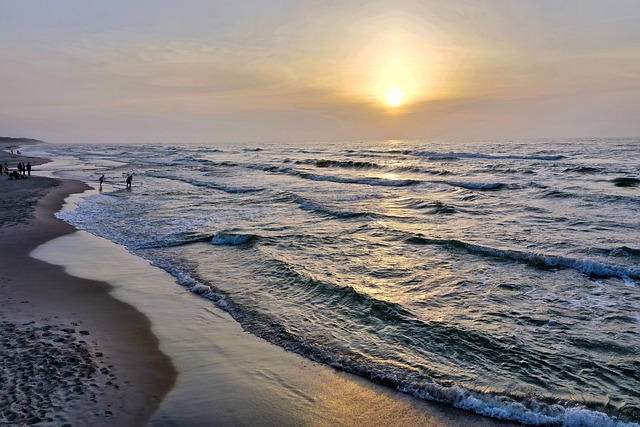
(228, 376)
(52, 321)
(225, 375)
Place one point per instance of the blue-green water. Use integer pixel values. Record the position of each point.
(499, 277)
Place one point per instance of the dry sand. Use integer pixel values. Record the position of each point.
(70, 353)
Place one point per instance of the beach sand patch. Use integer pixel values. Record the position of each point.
(50, 373)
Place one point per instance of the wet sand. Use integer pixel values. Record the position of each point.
(70, 353)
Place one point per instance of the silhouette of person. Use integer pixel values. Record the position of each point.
(29, 168)
(129, 179)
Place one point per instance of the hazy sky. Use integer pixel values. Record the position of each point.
(296, 70)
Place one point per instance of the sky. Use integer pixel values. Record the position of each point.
(296, 70)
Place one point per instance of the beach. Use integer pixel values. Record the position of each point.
(71, 353)
(419, 213)
(155, 354)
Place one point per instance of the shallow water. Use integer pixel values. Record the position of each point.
(227, 376)
(498, 277)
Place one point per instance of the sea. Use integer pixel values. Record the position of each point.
(500, 277)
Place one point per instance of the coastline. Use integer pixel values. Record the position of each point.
(51, 319)
(225, 375)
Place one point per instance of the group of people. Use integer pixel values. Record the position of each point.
(22, 172)
(129, 180)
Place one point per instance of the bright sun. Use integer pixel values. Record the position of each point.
(394, 96)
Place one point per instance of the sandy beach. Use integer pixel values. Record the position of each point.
(97, 336)
(71, 353)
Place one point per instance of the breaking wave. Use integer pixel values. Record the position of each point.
(321, 163)
(542, 261)
(343, 180)
(232, 239)
(523, 410)
(456, 156)
(483, 186)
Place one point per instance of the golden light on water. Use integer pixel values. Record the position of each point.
(390, 176)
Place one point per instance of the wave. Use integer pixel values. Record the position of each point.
(233, 239)
(351, 164)
(625, 251)
(308, 205)
(437, 207)
(172, 149)
(529, 413)
(419, 169)
(221, 164)
(501, 169)
(211, 185)
(363, 181)
(626, 182)
(321, 163)
(541, 261)
(190, 238)
(557, 194)
(374, 181)
(442, 209)
(492, 186)
(456, 156)
(483, 186)
(597, 198)
(584, 169)
(523, 409)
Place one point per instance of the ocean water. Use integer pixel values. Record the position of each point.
(499, 277)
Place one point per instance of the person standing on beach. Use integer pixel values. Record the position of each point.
(129, 179)
(29, 168)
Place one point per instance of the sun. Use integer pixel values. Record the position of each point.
(394, 96)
